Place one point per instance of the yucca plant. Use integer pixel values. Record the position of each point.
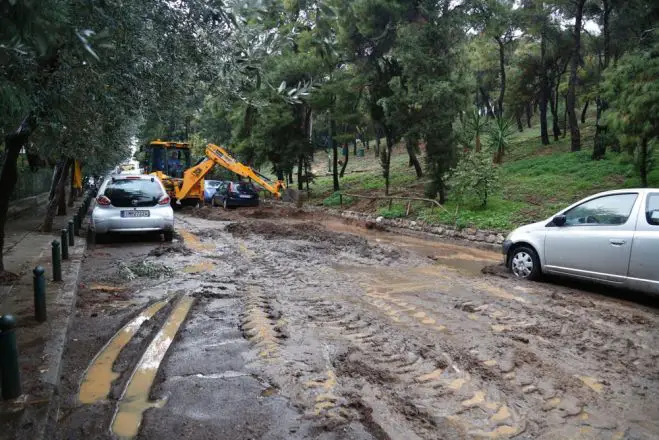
(499, 137)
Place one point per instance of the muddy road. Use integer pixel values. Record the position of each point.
(279, 324)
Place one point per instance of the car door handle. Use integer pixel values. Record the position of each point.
(616, 242)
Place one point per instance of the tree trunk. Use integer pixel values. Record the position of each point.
(414, 161)
(377, 143)
(386, 162)
(61, 192)
(72, 190)
(502, 72)
(529, 113)
(518, 117)
(583, 112)
(643, 162)
(565, 120)
(354, 147)
(544, 90)
(51, 210)
(605, 31)
(572, 87)
(345, 162)
(300, 166)
(554, 117)
(599, 146)
(487, 103)
(335, 156)
(14, 142)
(441, 191)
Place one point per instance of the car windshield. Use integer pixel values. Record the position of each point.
(242, 187)
(212, 183)
(133, 192)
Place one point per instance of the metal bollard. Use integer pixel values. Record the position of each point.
(10, 376)
(65, 244)
(75, 224)
(57, 261)
(70, 231)
(39, 294)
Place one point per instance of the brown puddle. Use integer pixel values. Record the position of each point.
(466, 259)
(97, 380)
(135, 399)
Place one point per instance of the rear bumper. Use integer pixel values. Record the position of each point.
(243, 202)
(106, 220)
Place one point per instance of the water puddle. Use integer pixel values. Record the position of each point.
(466, 259)
(97, 380)
(135, 399)
(193, 242)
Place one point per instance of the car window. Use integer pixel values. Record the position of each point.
(122, 192)
(607, 210)
(247, 187)
(212, 183)
(652, 209)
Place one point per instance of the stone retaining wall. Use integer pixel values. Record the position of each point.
(492, 238)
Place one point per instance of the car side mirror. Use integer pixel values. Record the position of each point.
(559, 220)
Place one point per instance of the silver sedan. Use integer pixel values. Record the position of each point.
(133, 204)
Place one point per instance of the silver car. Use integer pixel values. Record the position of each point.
(611, 237)
(133, 204)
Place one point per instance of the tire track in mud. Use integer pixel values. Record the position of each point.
(491, 390)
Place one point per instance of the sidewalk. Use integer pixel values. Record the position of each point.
(40, 345)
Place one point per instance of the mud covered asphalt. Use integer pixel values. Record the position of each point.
(305, 327)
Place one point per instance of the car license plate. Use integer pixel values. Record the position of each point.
(245, 196)
(136, 213)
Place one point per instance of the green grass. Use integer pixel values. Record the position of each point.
(537, 181)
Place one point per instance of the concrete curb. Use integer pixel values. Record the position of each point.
(35, 419)
(54, 349)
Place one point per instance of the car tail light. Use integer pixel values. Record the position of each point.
(103, 201)
(134, 178)
(164, 200)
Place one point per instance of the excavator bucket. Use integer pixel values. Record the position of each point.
(290, 195)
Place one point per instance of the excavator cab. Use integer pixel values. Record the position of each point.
(169, 158)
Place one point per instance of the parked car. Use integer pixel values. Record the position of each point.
(231, 194)
(133, 204)
(210, 186)
(611, 237)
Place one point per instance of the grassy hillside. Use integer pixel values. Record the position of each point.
(537, 181)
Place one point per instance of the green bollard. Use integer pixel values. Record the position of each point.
(57, 261)
(39, 294)
(65, 244)
(10, 376)
(70, 231)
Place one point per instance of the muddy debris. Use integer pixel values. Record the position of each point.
(172, 249)
(144, 269)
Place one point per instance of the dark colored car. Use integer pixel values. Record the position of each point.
(230, 194)
(210, 186)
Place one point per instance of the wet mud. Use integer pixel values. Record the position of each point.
(308, 327)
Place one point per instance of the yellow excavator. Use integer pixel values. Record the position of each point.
(170, 162)
(193, 178)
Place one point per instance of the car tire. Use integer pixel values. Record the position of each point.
(213, 205)
(524, 263)
(225, 204)
(169, 235)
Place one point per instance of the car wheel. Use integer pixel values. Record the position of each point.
(169, 235)
(226, 206)
(213, 205)
(524, 263)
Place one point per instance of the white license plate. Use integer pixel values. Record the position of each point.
(136, 213)
(244, 196)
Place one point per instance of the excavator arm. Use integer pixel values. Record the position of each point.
(217, 155)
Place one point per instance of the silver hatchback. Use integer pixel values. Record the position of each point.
(611, 237)
(133, 204)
